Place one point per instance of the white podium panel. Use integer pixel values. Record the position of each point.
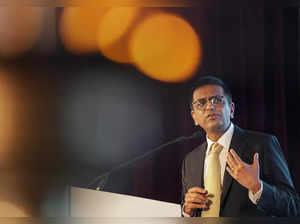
(92, 203)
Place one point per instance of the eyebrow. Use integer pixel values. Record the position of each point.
(207, 97)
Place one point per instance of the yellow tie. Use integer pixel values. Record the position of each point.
(213, 182)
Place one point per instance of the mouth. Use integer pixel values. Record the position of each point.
(213, 116)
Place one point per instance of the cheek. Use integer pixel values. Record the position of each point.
(226, 113)
(198, 119)
(194, 118)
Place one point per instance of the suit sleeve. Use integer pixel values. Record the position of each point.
(279, 197)
(184, 188)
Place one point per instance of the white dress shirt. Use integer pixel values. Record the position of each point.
(224, 140)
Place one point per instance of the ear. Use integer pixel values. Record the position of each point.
(194, 117)
(232, 108)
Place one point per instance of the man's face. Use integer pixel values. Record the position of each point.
(214, 118)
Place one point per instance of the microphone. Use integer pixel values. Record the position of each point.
(102, 179)
(196, 134)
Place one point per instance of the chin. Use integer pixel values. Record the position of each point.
(217, 127)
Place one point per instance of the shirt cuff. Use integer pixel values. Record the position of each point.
(255, 197)
(183, 213)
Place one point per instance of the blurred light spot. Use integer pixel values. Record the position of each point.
(79, 27)
(8, 115)
(13, 201)
(8, 209)
(166, 47)
(20, 28)
(114, 31)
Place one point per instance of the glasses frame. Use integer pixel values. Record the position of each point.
(211, 100)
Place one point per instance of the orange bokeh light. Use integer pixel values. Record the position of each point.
(166, 47)
(8, 115)
(8, 209)
(20, 28)
(79, 28)
(114, 32)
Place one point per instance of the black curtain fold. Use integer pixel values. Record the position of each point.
(256, 51)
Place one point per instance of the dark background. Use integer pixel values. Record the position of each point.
(84, 115)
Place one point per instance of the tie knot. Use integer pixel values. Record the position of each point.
(216, 148)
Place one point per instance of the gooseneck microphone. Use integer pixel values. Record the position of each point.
(102, 179)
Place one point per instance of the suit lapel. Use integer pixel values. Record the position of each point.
(202, 152)
(238, 144)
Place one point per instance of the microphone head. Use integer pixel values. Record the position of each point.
(196, 134)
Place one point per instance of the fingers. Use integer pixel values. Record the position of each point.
(231, 172)
(196, 195)
(191, 206)
(246, 174)
(234, 163)
(197, 190)
(237, 159)
(195, 198)
(230, 161)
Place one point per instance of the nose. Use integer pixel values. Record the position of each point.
(209, 105)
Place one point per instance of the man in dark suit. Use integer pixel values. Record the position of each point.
(248, 177)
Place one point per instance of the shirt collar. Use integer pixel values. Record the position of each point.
(224, 140)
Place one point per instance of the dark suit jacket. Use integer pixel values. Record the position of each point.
(278, 198)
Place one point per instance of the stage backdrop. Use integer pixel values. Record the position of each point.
(71, 116)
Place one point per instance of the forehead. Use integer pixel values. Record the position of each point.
(207, 91)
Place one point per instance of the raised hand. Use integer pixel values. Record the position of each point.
(246, 174)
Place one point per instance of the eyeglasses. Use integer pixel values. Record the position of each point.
(200, 104)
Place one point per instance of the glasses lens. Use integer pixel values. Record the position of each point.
(200, 104)
(216, 100)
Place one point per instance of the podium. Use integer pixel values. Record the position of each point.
(87, 203)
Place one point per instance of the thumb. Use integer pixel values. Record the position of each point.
(256, 160)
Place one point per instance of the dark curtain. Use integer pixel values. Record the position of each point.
(254, 47)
